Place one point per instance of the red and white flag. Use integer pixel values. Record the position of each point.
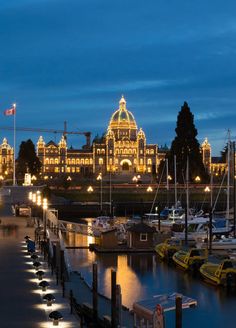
(10, 111)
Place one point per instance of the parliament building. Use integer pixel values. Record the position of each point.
(123, 149)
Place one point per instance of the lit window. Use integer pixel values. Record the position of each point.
(149, 161)
(68, 169)
(56, 170)
(77, 169)
(143, 237)
(100, 161)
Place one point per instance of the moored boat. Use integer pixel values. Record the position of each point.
(220, 273)
(190, 259)
(168, 248)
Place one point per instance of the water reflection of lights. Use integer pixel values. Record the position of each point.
(126, 278)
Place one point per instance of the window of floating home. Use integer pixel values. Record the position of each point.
(143, 236)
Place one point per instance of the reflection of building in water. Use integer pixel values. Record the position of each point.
(131, 287)
(141, 263)
(107, 260)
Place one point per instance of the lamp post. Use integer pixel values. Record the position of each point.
(99, 178)
(45, 207)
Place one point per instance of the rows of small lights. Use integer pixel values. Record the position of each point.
(46, 293)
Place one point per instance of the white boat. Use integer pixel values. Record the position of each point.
(224, 244)
(198, 229)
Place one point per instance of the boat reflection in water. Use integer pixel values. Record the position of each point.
(141, 276)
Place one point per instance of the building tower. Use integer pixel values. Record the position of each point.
(206, 154)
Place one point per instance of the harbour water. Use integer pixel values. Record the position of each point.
(142, 276)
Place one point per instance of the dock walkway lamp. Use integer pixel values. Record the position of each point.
(99, 178)
(45, 207)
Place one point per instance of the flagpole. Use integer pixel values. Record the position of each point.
(14, 146)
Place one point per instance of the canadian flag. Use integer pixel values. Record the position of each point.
(10, 111)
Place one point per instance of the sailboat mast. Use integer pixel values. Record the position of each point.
(175, 181)
(228, 176)
(167, 181)
(187, 202)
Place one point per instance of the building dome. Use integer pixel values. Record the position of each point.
(122, 118)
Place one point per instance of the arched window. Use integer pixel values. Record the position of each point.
(149, 161)
(51, 161)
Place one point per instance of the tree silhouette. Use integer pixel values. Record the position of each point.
(27, 161)
(185, 145)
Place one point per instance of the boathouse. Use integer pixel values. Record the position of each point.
(108, 239)
(140, 236)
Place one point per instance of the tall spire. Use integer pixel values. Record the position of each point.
(122, 103)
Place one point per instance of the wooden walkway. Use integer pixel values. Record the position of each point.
(21, 301)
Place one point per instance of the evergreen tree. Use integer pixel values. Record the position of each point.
(27, 161)
(185, 145)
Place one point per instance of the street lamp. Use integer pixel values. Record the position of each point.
(45, 207)
(99, 178)
(90, 189)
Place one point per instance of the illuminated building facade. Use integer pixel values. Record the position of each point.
(6, 159)
(123, 149)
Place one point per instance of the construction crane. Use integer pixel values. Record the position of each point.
(64, 132)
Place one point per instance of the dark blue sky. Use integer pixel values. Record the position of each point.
(73, 59)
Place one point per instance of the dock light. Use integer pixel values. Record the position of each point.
(207, 189)
(197, 179)
(149, 189)
(44, 285)
(169, 178)
(40, 274)
(55, 316)
(30, 195)
(49, 298)
(34, 257)
(39, 200)
(34, 197)
(36, 265)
